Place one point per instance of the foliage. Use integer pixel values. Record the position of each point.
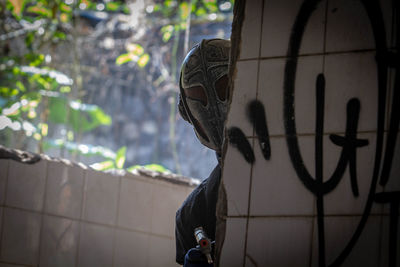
(117, 163)
(151, 167)
(34, 96)
(135, 52)
(44, 107)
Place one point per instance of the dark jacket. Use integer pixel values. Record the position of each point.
(197, 210)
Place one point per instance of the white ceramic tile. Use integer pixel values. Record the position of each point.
(164, 248)
(342, 200)
(26, 185)
(136, 205)
(95, 245)
(236, 180)
(245, 87)
(385, 242)
(271, 93)
(338, 232)
(20, 240)
(278, 22)
(167, 199)
(349, 27)
(251, 29)
(59, 242)
(348, 76)
(3, 179)
(278, 242)
(131, 249)
(276, 187)
(64, 190)
(101, 197)
(232, 252)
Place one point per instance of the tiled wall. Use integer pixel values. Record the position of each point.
(54, 213)
(285, 209)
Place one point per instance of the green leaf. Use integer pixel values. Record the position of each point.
(59, 35)
(135, 49)
(201, 12)
(112, 6)
(103, 166)
(124, 58)
(211, 5)
(184, 10)
(30, 37)
(34, 59)
(82, 117)
(17, 7)
(65, 89)
(40, 10)
(152, 167)
(65, 8)
(167, 31)
(20, 86)
(7, 92)
(143, 60)
(120, 158)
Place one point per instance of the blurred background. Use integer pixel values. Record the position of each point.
(97, 81)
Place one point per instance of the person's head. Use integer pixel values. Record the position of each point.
(204, 89)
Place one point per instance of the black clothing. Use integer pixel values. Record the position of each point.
(197, 210)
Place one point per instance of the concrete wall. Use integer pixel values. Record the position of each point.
(54, 213)
(311, 134)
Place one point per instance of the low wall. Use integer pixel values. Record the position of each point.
(56, 213)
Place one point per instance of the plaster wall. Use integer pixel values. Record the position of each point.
(312, 130)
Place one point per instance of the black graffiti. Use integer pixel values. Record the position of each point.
(375, 16)
(256, 115)
(238, 139)
(349, 142)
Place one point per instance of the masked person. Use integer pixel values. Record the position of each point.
(204, 88)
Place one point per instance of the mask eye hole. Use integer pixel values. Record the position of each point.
(197, 93)
(222, 88)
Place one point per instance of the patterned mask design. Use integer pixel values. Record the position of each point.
(204, 87)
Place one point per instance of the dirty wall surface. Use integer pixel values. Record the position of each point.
(312, 168)
(56, 213)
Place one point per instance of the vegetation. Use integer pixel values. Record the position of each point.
(45, 107)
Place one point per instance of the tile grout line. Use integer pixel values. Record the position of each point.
(42, 212)
(253, 140)
(313, 134)
(116, 220)
(357, 51)
(3, 210)
(90, 222)
(380, 241)
(80, 221)
(151, 226)
(305, 216)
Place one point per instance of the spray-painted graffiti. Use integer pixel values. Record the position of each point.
(349, 143)
(256, 115)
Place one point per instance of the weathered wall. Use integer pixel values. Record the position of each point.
(54, 213)
(312, 167)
